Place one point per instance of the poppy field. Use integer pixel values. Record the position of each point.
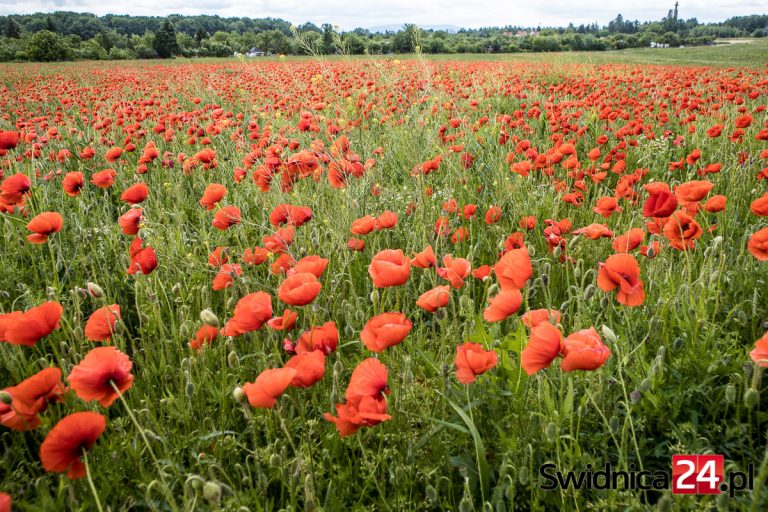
(377, 284)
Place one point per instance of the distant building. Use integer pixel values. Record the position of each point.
(523, 33)
(654, 44)
(255, 52)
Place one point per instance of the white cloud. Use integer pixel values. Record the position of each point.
(348, 14)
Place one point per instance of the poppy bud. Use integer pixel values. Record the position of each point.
(176, 288)
(730, 393)
(94, 290)
(196, 482)
(677, 344)
(349, 331)
(212, 492)
(275, 460)
(374, 296)
(189, 389)
(577, 272)
(208, 317)
(466, 505)
(589, 292)
(231, 302)
(662, 351)
(522, 475)
(635, 396)
(77, 332)
(493, 290)
(50, 291)
(338, 367)
(233, 359)
(751, 398)
(239, 395)
(574, 242)
(608, 334)
(431, 495)
(5, 398)
(309, 494)
(614, 424)
(551, 431)
(645, 386)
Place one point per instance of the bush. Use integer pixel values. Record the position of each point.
(46, 46)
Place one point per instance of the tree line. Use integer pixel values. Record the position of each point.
(75, 36)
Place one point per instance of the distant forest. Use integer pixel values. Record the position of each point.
(74, 36)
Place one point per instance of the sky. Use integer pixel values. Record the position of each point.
(348, 14)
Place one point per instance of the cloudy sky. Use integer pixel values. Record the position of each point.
(349, 14)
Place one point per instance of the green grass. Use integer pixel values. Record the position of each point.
(673, 385)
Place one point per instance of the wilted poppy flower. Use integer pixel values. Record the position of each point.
(130, 220)
(299, 289)
(389, 268)
(73, 182)
(583, 350)
(28, 328)
(309, 366)
(213, 194)
(101, 371)
(250, 314)
(226, 217)
(455, 270)
(269, 385)
(104, 179)
(44, 225)
(135, 194)
(621, 272)
(30, 397)
(101, 324)
(205, 336)
(65, 443)
(436, 298)
(760, 353)
(542, 348)
(324, 338)
(472, 360)
(384, 331)
(143, 259)
(535, 317)
(758, 244)
(503, 305)
(514, 269)
(425, 258)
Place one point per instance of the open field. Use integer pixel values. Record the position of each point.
(383, 283)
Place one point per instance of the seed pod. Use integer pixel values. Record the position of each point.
(212, 492)
(522, 475)
(751, 398)
(233, 359)
(730, 393)
(614, 424)
(635, 396)
(551, 431)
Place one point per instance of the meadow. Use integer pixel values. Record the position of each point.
(382, 283)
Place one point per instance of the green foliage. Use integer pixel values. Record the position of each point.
(165, 43)
(47, 46)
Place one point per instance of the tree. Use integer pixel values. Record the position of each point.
(50, 26)
(12, 29)
(200, 34)
(45, 46)
(327, 38)
(165, 44)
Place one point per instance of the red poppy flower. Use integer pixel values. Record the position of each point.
(715, 204)
(205, 336)
(760, 206)
(356, 244)
(135, 194)
(514, 269)
(436, 298)
(130, 220)
(31, 397)
(363, 225)
(455, 270)
(369, 379)
(143, 259)
(606, 206)
(621, 272)
(8, 139)
(73, 182)
(309, 366)
(493, 215)
(583, 350)
(44, 225)
(65, 443)
(250, 314)
(542, 348)
(268, 386)
(213, 194)
(386, 220)
(757, 246)
(537, 316)
(661, 202)
(472, 360)
(101, 324)
(5, 499)
(324, 338)
(225, 276)
(14, 187)
(629, 241)
(682, 231)
(113, 154)
(290, 214)
(104, 179)
(313, 264)
(503, 305)
(299, 289)
(101, 371)
(28, 328)
(760, 353)
(384, 331)
(226, 217)
(389, 268)
(425, 258)
(595, 231)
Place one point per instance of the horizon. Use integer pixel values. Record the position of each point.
(424, 13)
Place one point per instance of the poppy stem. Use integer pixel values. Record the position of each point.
(90, 482)
(53, 265)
